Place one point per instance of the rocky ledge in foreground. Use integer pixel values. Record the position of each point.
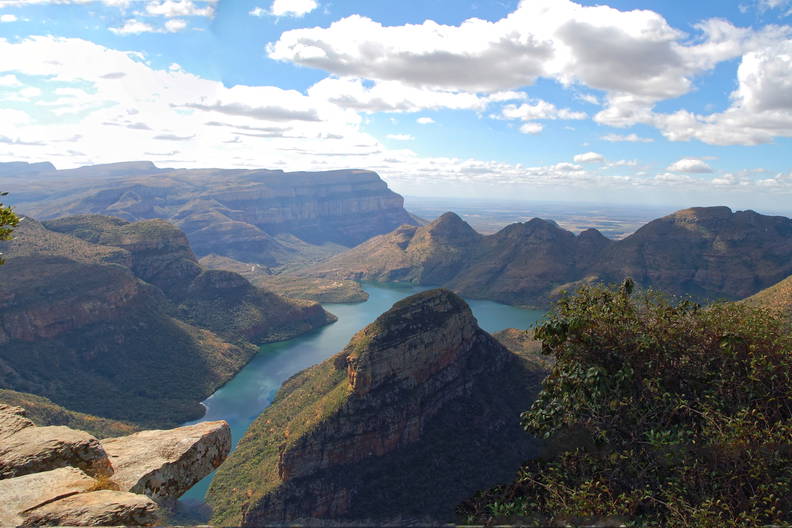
(420, 410)
(61, 476)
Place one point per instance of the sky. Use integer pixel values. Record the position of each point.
(655, 102)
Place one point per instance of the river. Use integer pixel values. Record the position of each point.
(245, 396)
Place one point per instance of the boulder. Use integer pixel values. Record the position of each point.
(21, 494)
(97, 508)
(12, 419)
(35, 449)
(165, 464)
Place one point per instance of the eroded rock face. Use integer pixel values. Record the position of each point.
(165, 464)
(35, 449)
(60, 476)
(417, 412)
(26, 493)
(97, 508)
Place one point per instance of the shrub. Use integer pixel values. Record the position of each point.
(657, 413)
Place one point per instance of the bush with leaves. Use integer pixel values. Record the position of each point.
(8, 221)
(657, 413)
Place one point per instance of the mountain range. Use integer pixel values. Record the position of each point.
(265, 217)
(708, 253)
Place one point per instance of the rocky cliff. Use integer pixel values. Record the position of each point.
(709, 253)
(62, 476)
(81, 325)
(420, 409)
(260, 216)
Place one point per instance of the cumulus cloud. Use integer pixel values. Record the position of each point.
(425, 121)
(635, 57)
(133, 27)
(628, 138)
(175, 25)
(690, 165)
(295, 8)
(176, 8)
(531, 128)
(395, 96)
(7, 17)
(589, 157)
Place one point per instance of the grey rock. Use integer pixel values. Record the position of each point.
(165, 464)
(97, 508)
(36, 449)
(21, 494)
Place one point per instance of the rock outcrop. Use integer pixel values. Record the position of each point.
(708, 253)
(401, 425)
(76, 481)
(81, 324)
(165, 464)
(263, 216)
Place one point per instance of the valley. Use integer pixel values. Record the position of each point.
(253, 389)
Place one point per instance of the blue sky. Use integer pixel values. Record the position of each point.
(660, 102)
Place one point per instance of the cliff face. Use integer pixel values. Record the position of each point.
(709, 253)
(81, 324)
(260, 216)
(409, 418)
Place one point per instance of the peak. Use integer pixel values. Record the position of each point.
(417, 337)
(591, 234)
(451, 227)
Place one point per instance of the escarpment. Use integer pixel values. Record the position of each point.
(709, 253)
(137, 331)
(62, 476)
(262, 216)
(421, 408)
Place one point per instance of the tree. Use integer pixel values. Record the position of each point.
(657, 413)
(8, 221)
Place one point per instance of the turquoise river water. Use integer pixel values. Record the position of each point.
(245, 396)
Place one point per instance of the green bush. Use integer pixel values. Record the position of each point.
(656, 413)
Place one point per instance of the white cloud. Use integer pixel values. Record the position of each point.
(295, 8)
(425, 121)
(7, 17)
(691, 165)
(540, 109)
(133, 27)
(629, 138)
(532, 128)
(9, 80)
(176, 8)
(589, 157)
(400, 137)
(257, 12)
(394, 96)
(635, 57)
(175, 25)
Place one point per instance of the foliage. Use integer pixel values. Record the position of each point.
(657, 413)
(8, 221)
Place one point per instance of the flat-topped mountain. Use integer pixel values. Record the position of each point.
(709, 253)
(421, 408)
(266, 217)
(136, 331)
